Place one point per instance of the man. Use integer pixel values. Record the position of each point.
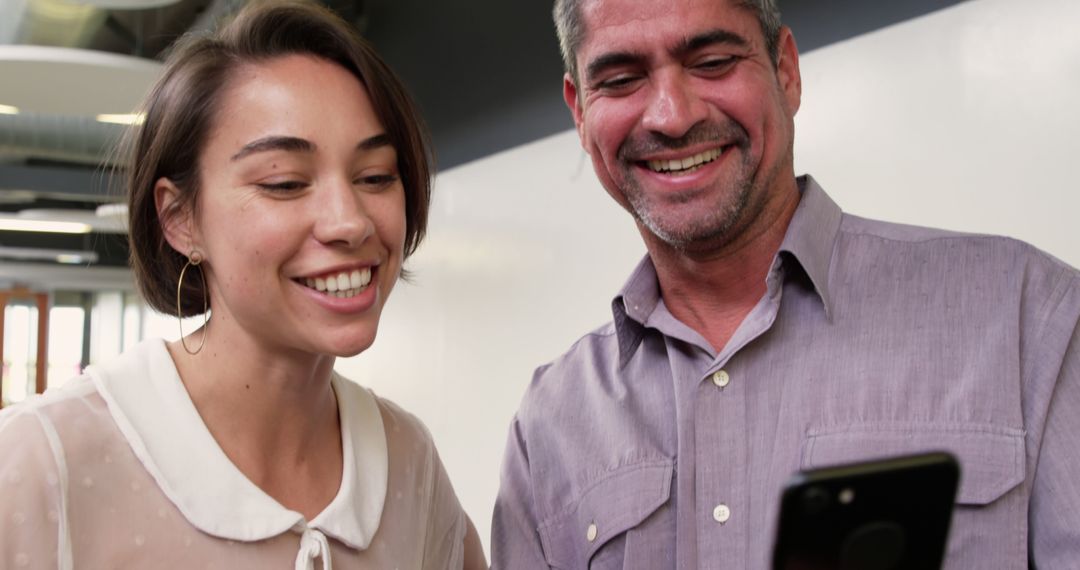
(767, 332)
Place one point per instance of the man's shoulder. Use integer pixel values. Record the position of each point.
(593, 354)
(600, 345)
(994, 276)
(877, 236)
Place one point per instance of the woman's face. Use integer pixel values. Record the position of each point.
(301, 211)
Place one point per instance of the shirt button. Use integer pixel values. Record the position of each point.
(721, 513)
(590, 534)
(721, 378)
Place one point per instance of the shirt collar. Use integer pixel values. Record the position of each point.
(811, 236)
(809, 240)
(154, 413)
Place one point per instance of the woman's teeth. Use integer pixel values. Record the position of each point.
(684, 165)
(342, 285)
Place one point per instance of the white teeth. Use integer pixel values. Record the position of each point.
(342, 285)
(684, 164)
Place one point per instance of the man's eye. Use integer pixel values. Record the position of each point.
(716, 63)
(618, 82)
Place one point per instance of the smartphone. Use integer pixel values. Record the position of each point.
(890, 514)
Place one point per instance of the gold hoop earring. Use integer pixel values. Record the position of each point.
(194, 259)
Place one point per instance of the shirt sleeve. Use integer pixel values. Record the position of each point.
(1054, 515)
(444, 545)
(515, 542)
(32, 517)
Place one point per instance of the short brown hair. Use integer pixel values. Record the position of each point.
(181, 107)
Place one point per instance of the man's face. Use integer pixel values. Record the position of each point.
(686, 117)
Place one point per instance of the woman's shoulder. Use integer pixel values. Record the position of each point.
(73, 401)
(43, 432)
(398, 423)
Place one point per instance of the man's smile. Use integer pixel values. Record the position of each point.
(683, 165)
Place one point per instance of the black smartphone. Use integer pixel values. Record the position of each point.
(890, 514)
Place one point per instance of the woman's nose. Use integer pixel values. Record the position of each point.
(340, 216)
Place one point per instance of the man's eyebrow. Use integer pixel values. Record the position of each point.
(688, 45)
(291, 144)
(609, 60)
(709, 38)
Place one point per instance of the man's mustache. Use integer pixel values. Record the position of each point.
(725, 134)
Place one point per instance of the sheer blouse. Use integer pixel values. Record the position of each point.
(117, 470)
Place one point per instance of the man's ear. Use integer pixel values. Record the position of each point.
(570, 96)
(787, 69)
(175, 216)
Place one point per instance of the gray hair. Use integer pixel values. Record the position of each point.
(571, 30)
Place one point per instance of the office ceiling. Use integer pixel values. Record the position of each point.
(486, 73)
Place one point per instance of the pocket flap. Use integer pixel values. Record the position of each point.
(991, 458)
(615, 503)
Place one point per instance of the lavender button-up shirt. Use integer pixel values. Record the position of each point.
(642, 447)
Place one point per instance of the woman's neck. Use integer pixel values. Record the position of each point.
(273, 413)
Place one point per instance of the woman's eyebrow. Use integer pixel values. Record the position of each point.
(372, 143)
(291, 144)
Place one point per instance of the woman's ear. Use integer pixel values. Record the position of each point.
(175, 216)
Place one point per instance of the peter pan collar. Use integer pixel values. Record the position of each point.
(154, 413)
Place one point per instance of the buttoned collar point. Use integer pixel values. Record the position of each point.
(631, 308)
(811, 236)
(809, 240)
(153, 411)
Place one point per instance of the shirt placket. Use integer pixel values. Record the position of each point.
(721, 457)
(713, 432)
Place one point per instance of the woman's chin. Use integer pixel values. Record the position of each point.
(344, 348)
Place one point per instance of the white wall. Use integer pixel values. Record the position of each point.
(963, 119)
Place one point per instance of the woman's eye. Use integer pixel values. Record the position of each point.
(285, 186)
(378, 180)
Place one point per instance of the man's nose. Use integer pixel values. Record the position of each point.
(673, 106)
(341, 218)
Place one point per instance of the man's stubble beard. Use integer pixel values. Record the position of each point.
(715, 225)
(718, 222)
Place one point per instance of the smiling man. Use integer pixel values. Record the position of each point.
(766, 331)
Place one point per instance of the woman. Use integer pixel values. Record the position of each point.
(280, 179)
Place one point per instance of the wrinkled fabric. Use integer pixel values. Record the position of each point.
(643, 447)
(117, 470)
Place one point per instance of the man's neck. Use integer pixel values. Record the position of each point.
(713, 292)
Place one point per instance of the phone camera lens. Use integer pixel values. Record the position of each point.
(815, 500)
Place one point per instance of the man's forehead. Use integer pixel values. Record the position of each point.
(615, 20)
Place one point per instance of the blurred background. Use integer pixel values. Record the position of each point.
(942, 113)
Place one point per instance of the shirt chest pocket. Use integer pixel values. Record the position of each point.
(619, 521)
(989, 522)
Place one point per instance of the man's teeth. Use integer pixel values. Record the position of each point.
(344, 284)
(685, 164)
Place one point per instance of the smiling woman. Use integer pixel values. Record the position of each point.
(279, 181)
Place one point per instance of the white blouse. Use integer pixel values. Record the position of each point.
(117, 470)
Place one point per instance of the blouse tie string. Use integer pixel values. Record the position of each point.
(313, 544)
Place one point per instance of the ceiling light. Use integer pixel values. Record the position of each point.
(8, 110)
(40, 254)
(15, 225)
(122, 119)
(77, 258)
